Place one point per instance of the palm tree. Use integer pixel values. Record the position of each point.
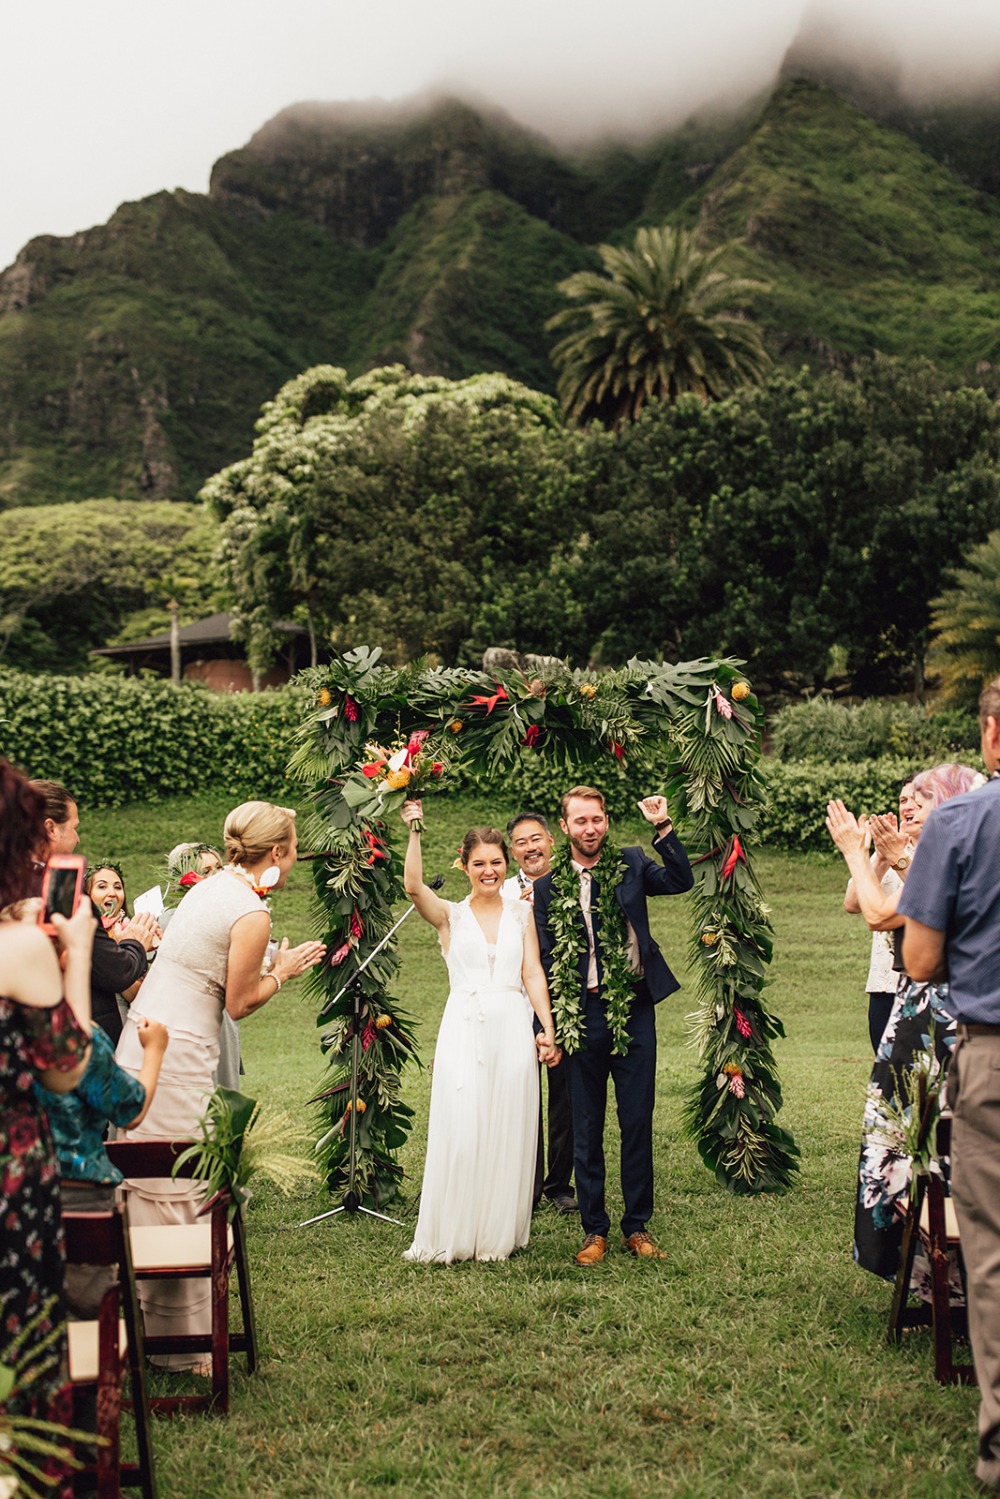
(965, 626)
(663, 318)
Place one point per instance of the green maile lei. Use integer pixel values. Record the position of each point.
(569, 943)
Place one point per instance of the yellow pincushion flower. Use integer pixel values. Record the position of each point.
(741, 690)
(397, 779)
(455, 725)
(324, 697)
(588, 689)
(382, 1022)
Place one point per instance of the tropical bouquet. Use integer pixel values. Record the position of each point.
(236, 1144)
(388, 777)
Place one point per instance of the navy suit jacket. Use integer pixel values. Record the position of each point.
(642, 877)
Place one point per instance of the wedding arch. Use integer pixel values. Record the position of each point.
(374, 733)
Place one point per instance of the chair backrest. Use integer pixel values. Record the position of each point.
(149, 1157)
(95, 1238)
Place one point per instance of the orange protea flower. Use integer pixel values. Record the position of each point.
(588, 689)
(382, 1022)
(740, 691)
(362, 1106)
(455, 725)
(324, 697)
(709, 938)
(397, 779)
(731, 1069)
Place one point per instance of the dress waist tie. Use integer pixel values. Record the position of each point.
(473, 1010)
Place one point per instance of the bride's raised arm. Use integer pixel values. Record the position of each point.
(430, 906)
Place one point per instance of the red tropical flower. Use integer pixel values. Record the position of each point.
(500, 696)
(532, 736)
(742, 1024)
(368, 1035)
(618, 750)
(336, 958)
(356, 927)
(191, 878)
(351, 710)
(373, 768)
(377, 848)
(735, 853)
(437, 768)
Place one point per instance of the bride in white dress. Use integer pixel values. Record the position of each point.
(482, 1135)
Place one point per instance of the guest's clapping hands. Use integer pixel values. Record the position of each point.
(143, 928)
(851, 834)
(889, 842)
(289, 962)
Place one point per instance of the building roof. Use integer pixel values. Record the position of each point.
(211, 631)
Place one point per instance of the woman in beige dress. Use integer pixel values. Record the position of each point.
(209, 963)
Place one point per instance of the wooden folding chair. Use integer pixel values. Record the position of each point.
(208, 1249)
(101, 1350)
(931, 1221)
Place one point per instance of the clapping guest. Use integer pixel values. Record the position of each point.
(209, 962)
(920, 1011)
(882, 976)
(116, 967)
(187, 865)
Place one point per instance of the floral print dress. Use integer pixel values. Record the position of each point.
(920, 1022)
(31, 1243)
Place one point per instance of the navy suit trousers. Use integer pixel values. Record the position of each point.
(634, 1078)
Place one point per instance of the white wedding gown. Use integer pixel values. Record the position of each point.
(482, 1134)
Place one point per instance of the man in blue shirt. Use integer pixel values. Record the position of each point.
(951, 902)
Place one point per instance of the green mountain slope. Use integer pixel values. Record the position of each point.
(867, 242)
(134, 357)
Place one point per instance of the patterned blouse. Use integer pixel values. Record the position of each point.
(105, 1094)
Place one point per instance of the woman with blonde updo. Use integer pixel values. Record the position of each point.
(210, 963)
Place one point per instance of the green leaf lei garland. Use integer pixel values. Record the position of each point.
(569, 943)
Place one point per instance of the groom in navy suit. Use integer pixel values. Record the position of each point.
(584, 820)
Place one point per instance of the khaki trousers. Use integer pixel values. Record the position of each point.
(974, 1096)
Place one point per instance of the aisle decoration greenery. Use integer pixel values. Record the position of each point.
(237, 1141)
(694, 728)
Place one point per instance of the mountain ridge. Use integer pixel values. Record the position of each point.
(134, 356)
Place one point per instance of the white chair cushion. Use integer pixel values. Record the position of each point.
(83, 1353)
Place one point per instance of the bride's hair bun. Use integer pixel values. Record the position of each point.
(254, 828)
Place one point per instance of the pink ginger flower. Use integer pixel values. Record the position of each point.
(737, 1085)
(368, 1035)
(336, 958)
(723, 705)
(742, 1024)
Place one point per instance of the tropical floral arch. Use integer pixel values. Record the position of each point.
(374, 733)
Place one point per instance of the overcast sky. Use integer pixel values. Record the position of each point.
(108, 100)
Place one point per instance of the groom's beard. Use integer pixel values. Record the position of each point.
(594, 848)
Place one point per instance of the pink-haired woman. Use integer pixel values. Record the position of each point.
(920, 1025)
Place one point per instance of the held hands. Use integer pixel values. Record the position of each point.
(548, 1052)
(289, 962)
(654, 809)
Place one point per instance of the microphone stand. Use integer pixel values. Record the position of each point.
(352, 1199)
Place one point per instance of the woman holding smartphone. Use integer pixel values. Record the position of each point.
(44, 1036)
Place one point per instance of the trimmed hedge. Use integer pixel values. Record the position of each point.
(797, 795)
(113, 740)
(823, 729)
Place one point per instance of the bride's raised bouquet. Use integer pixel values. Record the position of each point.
(390, 776)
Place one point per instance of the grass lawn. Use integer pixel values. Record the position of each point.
(753, 1362)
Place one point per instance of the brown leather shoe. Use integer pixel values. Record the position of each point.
(642, 1246)
(593, 1251)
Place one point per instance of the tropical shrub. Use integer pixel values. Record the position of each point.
(822, 729)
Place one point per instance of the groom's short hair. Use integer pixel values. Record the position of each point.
(515, 822)
(586, 793)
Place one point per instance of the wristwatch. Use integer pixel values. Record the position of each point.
(903, 862)
(663, 827)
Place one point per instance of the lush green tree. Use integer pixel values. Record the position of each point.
(418, 513)
(76, 576)
(965, 626)
(813, 515)
(664, 318)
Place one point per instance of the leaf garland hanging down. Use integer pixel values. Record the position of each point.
(695, 727)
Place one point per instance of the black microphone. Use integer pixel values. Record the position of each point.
(436, 882)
